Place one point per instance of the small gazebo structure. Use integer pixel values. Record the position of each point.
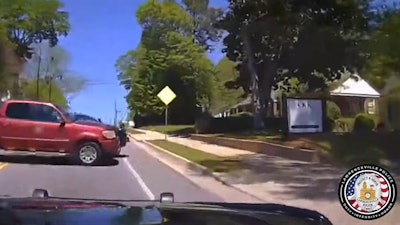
(354, 95)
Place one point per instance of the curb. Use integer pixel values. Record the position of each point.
(204, 169)
(318, 156)
(300, 154)
(286, 152)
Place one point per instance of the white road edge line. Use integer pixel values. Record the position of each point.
(141, 182)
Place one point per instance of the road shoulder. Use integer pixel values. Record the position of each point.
(272, 190)
(197, 175)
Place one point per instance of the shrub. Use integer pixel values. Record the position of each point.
(239, 122)
(235, 123)
(274, 123)
(207, 124)
(363, 122)
(344, 124)
(329, 124)
(332, 110)
(203, 123)
(389, 108)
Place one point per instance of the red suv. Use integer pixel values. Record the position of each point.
(42, 127)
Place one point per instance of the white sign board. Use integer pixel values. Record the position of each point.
(304, 115)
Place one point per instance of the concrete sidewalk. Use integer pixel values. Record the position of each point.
(278, 180)
(199, 145)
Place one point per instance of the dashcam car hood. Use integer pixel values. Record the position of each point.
(80, 213)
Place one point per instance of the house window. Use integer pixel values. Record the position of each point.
(371, 106)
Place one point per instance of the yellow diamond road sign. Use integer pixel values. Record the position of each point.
(166, 95)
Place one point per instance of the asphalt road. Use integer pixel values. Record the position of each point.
(136, 175)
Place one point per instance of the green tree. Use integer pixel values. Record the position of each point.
(296, 40)
(126, 68)
(33, 21)
(204, 17)
(57, 96)
(142, 91)
(54, 65)
(10, 64)
(225, 97)
(166, 56)
(383, 47)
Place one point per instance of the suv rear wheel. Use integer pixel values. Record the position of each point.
(88, 153)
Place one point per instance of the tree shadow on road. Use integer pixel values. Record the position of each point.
(288, 178)
(227, 165)
(54, 161)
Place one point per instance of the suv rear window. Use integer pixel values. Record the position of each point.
(18, 111)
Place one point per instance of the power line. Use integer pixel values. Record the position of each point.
(94, 82)
(101, 83)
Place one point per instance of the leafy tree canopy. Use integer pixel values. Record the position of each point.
(5, 57)
(10, 64)
(204, 17)
(298, 37)
(57, 95)
(310, 40)
(224, 97)
(33, 21)
(166, 55)
(384, 51)
(53, 62)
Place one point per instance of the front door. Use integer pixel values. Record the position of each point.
(50, 134)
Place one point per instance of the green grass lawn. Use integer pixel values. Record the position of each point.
(212, 162)
(268, 135)
(350, 149)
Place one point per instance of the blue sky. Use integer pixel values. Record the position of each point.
(101, 31)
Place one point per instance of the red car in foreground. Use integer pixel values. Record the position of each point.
(42, 127)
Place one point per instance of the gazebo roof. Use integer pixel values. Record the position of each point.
(355, 86)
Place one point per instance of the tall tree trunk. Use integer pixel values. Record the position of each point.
(257, 97)
(269, 73)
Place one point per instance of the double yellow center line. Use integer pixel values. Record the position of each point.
(3, 165)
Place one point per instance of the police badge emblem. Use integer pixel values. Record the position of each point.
(367, 192)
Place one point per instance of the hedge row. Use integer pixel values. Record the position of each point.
(239, 122)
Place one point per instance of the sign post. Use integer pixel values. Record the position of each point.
(166, 95)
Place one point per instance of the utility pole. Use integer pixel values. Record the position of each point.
(49, 76)
(115, 113)
(38, 72)
(51, 80)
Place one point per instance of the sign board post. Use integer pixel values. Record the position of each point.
(166, 95)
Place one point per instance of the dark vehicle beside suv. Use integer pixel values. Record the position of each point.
(121, 132)
(41, 127)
